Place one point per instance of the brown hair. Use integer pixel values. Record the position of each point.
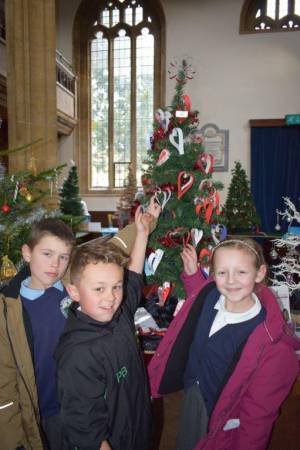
(247, 245)
(92, 253)
(50, 227)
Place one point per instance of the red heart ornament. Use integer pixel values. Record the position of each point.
(185, 181)
(163, 157)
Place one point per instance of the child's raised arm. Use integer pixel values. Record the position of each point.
(142, 223)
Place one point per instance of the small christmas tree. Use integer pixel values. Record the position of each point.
(70, 203)
(126, 203)
(21, 204)
(240, 211)
(180, 177)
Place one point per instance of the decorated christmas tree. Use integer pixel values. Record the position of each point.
(287, 270)
(240, 211)
(180, 176)
(22, 196)
(126, 203)
(70, 201)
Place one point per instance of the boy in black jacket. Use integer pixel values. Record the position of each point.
(101, 378)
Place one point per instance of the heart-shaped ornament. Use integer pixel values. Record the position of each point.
(176, 139)
(163, 157)
(163, 292)
(154, 259)
(162, 196)
(185, 181)
(196, 236)
(205, 162)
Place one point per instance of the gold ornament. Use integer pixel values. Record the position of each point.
(8, 269)
(28, 197)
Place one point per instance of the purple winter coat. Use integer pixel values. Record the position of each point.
(260, 380)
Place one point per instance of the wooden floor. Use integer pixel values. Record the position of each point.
(285, 435)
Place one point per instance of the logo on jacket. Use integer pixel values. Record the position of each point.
(121, 374)
(64, 306)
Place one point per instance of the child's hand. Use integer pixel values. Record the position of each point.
(154, 208)
(189, 259)
(142, 221)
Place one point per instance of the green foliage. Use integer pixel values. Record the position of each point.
(240, 211)
(70, 203)
(179, 216)
(21, 196)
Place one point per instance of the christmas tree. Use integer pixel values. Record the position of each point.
(180, 176)
(70, 203)
(21, 199)
(126, 203)
(287, 271)
(240, 211)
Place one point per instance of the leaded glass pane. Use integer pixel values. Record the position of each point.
(105, 18)
(144, 95)
(99, 111)
(271, 8)
(283, 8)
(138, 14)
(128, 16)
(122, 98)
(115, 16)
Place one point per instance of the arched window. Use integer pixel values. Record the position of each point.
(270, 15)
(119, 47)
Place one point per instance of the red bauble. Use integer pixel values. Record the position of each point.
(5, 208)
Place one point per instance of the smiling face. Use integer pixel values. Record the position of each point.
(99, 290)
(48, 261)
(235, 274)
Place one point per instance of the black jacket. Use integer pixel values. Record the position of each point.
(102, 385)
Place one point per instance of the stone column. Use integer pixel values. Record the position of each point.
(31, 81)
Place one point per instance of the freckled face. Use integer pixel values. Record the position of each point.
(99, 290)
(48, 261)
(235, 275)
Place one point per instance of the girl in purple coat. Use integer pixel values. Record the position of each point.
(229, 349)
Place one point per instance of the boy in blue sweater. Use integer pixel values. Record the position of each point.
(30, 327)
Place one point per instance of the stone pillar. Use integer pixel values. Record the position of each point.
(31, 82)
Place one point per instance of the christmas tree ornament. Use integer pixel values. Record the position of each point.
(163, 157)
(176, 139)
(163, 293)
(162, 196)
(205, 255)
(273, 253)
(153, 261)
(16, 191)
(277, 226)
(185, 181)
(218, 233)
(8, 269)
(163, 118)
(5, 208)
(205, 163)
(28, 197)
(196, 236)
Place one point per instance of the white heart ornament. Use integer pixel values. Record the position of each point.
(163, 157)
(178, 144)
(166, 194)
(196, 236)
(154, 259)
